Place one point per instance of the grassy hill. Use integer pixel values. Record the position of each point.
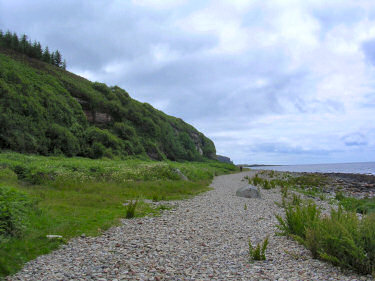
(49, 111)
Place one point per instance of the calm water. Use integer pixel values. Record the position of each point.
(356, 168)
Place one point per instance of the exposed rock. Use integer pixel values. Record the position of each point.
(97, 117)
(50, 236)
(182, 176)
(248, 191)
(224, 159)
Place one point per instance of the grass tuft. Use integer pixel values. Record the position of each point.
(258, 253)
(130, 209)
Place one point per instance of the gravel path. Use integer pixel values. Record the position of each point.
(205, 238)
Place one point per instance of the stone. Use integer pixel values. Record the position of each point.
(182, 176)
(248, 191)
(50, 236)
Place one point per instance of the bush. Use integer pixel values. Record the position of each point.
(340, 238)
(62, 140)
(298, 218)
(14, 205)
(97, 150)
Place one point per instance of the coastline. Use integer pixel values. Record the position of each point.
(351, 184)
(365, 168)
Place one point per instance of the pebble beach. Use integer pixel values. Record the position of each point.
(202, 238)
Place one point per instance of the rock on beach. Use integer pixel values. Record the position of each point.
(248, 191)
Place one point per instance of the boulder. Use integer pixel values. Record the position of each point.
(248, 191)
(181, 175)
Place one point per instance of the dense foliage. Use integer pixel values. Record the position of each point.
(46, 110)
(32, 49)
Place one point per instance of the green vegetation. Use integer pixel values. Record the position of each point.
(42, 195)
(362, 206)
(46, 110)
(34, 50)
(308, 184)
(130, 209)
(340, 238)
(259, 252)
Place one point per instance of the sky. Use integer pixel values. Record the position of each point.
(270, 82)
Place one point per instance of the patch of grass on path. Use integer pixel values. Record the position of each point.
(72, 196)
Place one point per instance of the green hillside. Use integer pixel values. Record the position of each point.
(49, 111)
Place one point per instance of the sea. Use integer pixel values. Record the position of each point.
(352, 168)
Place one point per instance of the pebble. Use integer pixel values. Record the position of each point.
(204, 238)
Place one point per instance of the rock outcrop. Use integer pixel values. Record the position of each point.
(224, 159)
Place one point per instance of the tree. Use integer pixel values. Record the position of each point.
(8, 39)
(31, 49)
(63, 66)
(46, 57)
(38, 51)
(57, 58)
(14, 44)
(24, 44)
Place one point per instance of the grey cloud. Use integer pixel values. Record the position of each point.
(283, 148)
(368, 48)
(355, 139)
(331, 14)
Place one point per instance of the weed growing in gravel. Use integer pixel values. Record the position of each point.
(130, 209)
(259, 252)
(296, 199)
(163, 207)
(245, 207)
(264, 183)
(284, 191)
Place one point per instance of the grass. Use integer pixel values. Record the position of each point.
(72, 196)
(362, 206)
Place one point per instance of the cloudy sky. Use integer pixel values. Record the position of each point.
(281, 82)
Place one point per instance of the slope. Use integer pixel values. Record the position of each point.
(49, 111)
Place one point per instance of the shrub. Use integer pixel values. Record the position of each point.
(62, 140)
(340, 238)
(259, 252)
(298, 218)
(97, 150)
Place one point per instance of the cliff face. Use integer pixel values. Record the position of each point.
(224, 159)
(64, 113)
